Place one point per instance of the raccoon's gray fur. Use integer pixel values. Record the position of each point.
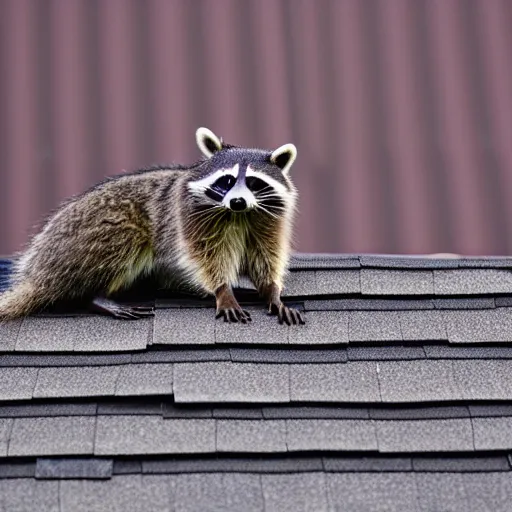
(206, 224)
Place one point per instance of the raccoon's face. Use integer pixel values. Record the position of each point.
(242, 180)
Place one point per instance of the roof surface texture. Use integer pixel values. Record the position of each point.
(395, 395)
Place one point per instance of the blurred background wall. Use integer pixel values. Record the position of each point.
(401, 109)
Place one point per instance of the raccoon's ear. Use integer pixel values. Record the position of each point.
(284, 157)
(208, 142)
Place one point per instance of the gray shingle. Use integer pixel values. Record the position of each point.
(176, 355)
(35, 410)
(465, 303)
(422, 325)
(145, 379)
(385, 353)
(483, 380)
(291, 493)
(396, 282)
(142, 406)
(467, 352)
(190, 326)
(493, 433)
(231, 382)
(287, 355)
(372, 492)
(50, 359)
(17, 383)
(419, 413)
(407, 262)
(73, 468)
(300, 283)
(82, 333)
(472, 281)
(263, 329)
(195, 411)
(5, 433)
(338, 435)
(22, 495)
(425, 435)
(320, 261)
(127, 493)
(485, 411)
(488, 492)
(52, 436)
(344, 382)
(251, 436)
(374, 326)
(120, 435)
(345, 413)
(76, 381)
(339, 282)
(8, 335)
(322, 327)
(490, 325)
(236, 413)
(417, 381)
(222, 493)
(368, 304)
(376, 464)
(460, 464)
(442, 492)
(17, 470)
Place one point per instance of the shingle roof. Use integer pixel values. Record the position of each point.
(396, 394)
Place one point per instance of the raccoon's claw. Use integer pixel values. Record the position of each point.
(289, 316)
(122, 312)
(234, 315)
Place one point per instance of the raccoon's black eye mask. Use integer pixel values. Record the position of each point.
(256, 184)
(221, 187)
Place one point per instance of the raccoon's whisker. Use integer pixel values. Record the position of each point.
(263, 209)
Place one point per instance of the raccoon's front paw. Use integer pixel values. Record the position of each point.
(287, 315)
(234, 315)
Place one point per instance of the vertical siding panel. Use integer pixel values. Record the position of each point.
(118, 84)
(361, 213)
(404, 129)
(69, 96)
(21, 138)
(223, 86)
(168, 83)
(319, 221)
(456, 128)
(495, 40)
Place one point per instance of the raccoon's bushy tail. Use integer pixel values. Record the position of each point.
(19, 301)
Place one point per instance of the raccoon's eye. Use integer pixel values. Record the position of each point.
(224, 184)
(256, 184)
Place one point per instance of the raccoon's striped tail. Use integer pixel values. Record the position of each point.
(19, 301)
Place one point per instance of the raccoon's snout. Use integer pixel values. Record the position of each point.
(238, 204)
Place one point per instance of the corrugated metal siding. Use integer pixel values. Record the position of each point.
(401, 110)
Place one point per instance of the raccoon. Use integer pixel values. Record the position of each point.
(204, 226)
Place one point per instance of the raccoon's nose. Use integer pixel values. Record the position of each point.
(238, 204)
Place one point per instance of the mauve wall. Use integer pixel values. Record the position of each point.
(401, 109)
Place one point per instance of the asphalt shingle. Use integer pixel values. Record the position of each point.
(460, 464)
(5, 433)
(422, 325)
(372, 492)
(231, 382)
(483, 380)
(284, 493)
(77, 381)
(396, 282)
(23, 494)
(73, 468)
(145, 379)
(17, 383)
(367, 464)
(322, 327)
(493, 433)
(336, 435)
(82, 333)
(472, 281)
(417, 381)
(338, 282)
(412, 436)
(490, 492)
(190, 326)
(251, 436)
(345, 382)
(125, 435)
(491, 325)
(8, 335)
(442, 492)
(374, 326)
(300, 283)
(52, 436)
